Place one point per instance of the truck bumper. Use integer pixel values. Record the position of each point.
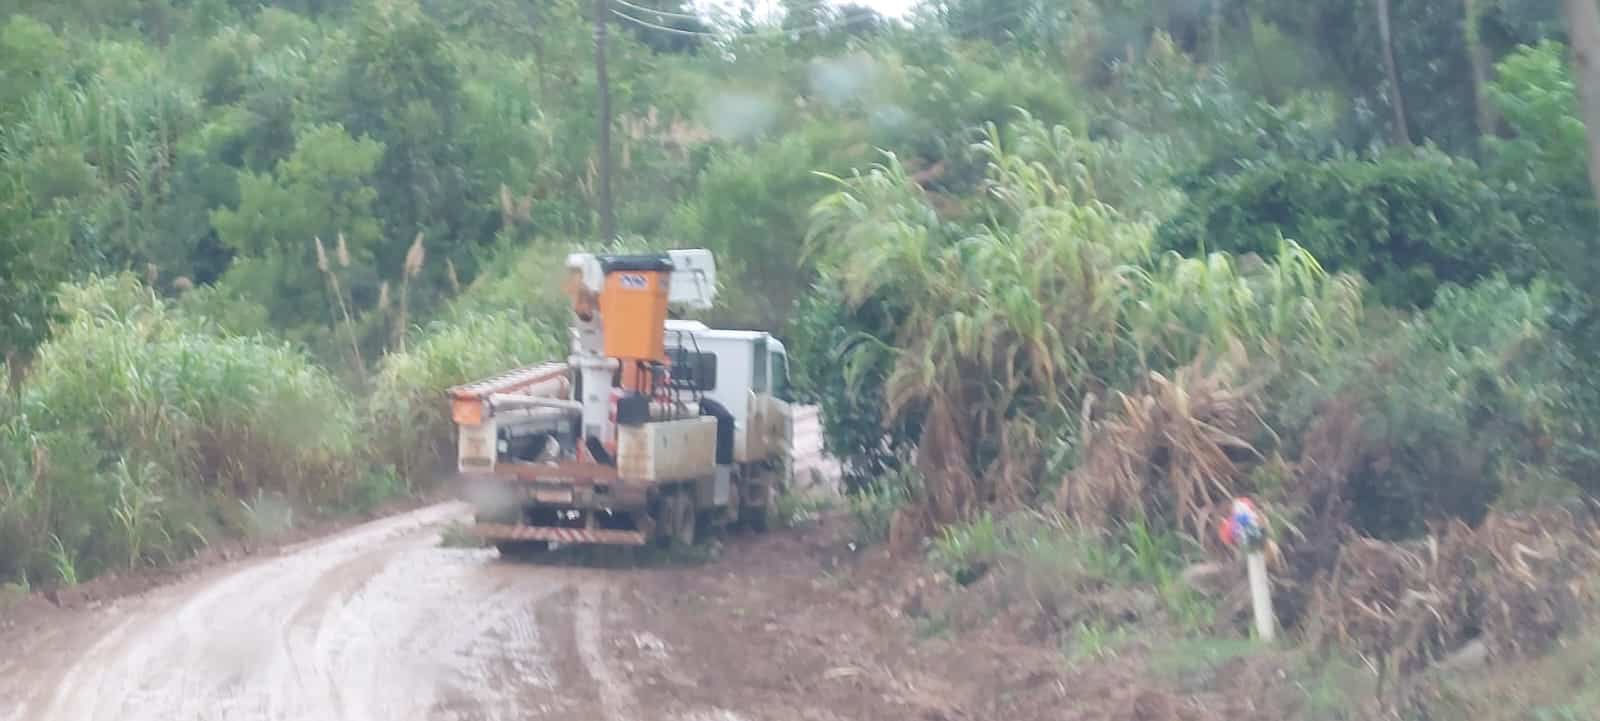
(570, 536)
(572, 486)
(569, 504)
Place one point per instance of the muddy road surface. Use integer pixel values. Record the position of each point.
(383, 622)
(379, 622)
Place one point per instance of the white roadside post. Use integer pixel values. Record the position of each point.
(1261, 596)
(1245, 528)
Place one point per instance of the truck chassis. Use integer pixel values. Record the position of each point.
(528, 506)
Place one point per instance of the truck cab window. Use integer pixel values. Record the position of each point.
(759, 384)
(780, 377)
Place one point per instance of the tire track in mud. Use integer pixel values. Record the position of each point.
(376, 623)
(669, 678)
(221, 651)
(468, 649)
(589, 623)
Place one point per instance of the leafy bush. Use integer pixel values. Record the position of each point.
(372, 488)
(1063, 570)
(1440, 413)
(523, 280)
(321, 191)
(793, 510)
(947, 98)
(133, 428)
(1534, 92)
(411, 425)
(1541, 168)
(1004, 328)
(966, 551)
(833, 369)
(1405, 222)
(874, 507)
(751, 214)
(1206, 122)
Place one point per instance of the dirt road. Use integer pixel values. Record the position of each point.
(382, 622)
(379, 622)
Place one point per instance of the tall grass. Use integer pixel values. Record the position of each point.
(134, 430)
(146, 430)
(107, 142)
(1012, 323)
(1063, 569)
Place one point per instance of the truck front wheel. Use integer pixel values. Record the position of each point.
(756, 518)
(756, 502)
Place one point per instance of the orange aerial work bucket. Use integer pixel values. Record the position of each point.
(633, 304)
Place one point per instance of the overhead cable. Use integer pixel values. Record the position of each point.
(847, 22)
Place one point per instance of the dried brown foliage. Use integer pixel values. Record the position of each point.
(951, 488)
(416, 256)
(1171, 450)
(1331, 449)
(1055, 297)
(1515, 582)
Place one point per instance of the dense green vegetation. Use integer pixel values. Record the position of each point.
(1103, 261)
(1116, 259)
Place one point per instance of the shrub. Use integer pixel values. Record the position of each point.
(525, 281)
(1071, 575)
(793, 510)
(1405, 222)
(750, 212)
(1009, 325)
(134, 427)
(410, 417)
(378, 484)
(20, 490)
(835, 367)
(966, 551)
(1433, 417)
(1206, 120)
(875, 507)
(1542, 169)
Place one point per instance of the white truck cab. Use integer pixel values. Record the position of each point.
(747, 372)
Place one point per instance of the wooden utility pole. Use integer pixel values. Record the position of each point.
(1214, 30)
(1402, 134)
(608, 220)
(1583, 28)
(1488, 118)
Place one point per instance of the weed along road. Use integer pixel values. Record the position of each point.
(376, 623)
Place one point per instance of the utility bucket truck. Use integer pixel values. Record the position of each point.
(652, 430)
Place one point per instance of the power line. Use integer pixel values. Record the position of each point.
(847, 22)
(1008, 15)
(663, 13)
(662, 28)
(783, 32)
(811, 7)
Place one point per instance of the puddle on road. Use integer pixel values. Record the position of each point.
(443, 631)
(714, 715)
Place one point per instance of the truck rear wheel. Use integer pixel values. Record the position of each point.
(756, 518)
(678, 520)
